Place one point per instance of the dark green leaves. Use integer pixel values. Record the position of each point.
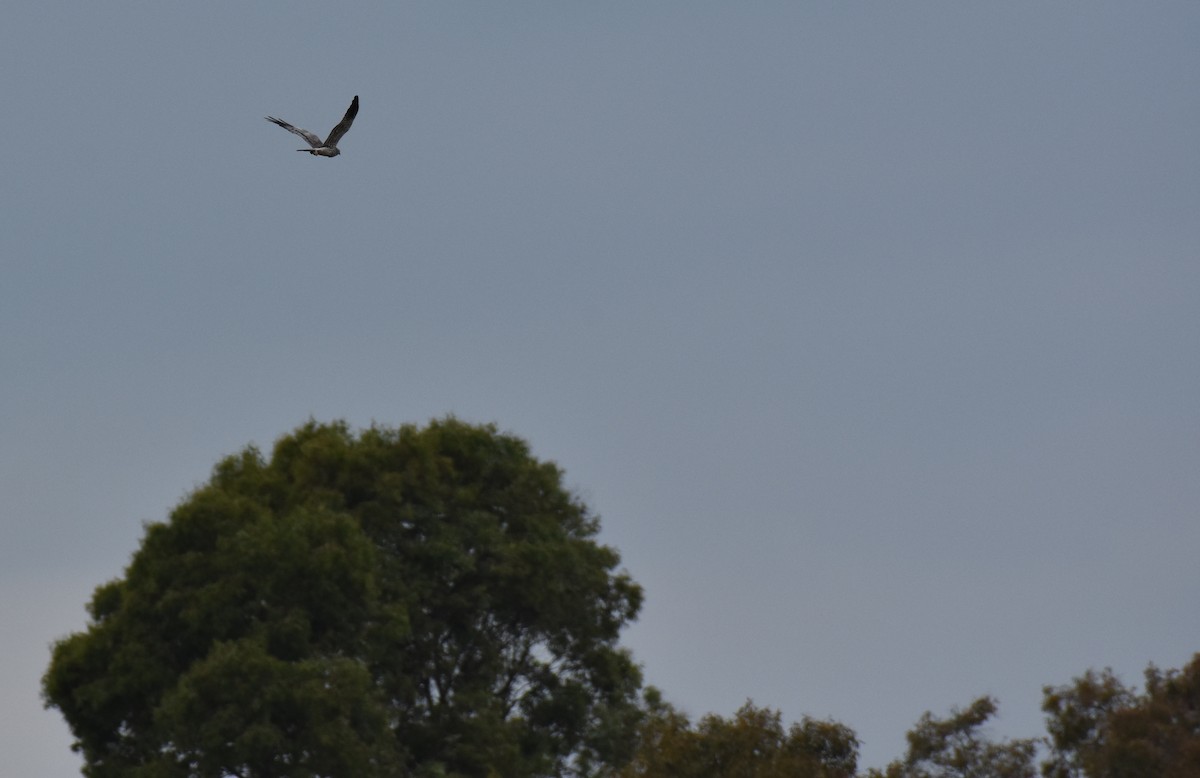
(753, 743)
(1100, 727)
(401, 601)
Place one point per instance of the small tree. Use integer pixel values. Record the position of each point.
(398, 602)
(751, 744)
(955, 748)
(1100, 728)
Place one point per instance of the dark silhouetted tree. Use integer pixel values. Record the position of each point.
(955, 748)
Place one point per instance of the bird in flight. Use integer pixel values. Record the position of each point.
(327, 147)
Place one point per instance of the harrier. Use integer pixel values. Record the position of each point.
(327, 147)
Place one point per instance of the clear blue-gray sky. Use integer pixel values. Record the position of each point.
(871, 330)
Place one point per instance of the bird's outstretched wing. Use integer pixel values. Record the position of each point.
(337, 132)
(312, 140)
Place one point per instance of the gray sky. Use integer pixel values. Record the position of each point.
(872, 331)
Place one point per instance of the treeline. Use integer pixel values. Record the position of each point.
(1097, 727)
(433, 602)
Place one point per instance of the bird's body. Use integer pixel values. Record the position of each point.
(327, 147)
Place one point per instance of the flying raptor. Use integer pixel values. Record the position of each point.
(327, 147)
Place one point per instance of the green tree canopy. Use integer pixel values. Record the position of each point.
(955, 747)
(1099, 728)
(751, 744)
(408, 601)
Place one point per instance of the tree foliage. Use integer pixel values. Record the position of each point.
(400, 601)
(1100, 728)
(751, 744)
(955, 747)
(432, 602)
